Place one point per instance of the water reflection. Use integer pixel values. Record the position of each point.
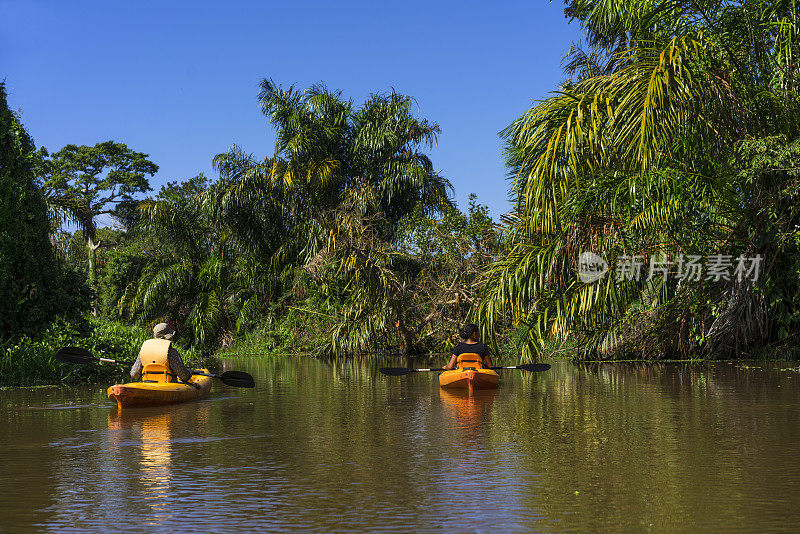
(155, 458)
(470, 412)
(334, 446)
(142, 442)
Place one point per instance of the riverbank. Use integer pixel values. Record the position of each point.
(30, 362)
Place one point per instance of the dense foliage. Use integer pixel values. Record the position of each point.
(344, 241)
(676, 137)
(86, 182)
(34, 287)
(670, 156)
(30, 360)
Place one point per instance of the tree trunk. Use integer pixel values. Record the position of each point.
(92, 246)
(406, 338)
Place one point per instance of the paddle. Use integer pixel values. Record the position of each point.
(237, 379)
(400, 371)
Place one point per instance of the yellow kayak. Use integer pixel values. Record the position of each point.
(470, 373)
(158, 393)
(469, 379)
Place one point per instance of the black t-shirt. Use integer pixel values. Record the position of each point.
(475, 348)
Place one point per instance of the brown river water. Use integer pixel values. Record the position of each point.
(336, 447)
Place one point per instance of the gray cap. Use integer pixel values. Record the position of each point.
(163, 331)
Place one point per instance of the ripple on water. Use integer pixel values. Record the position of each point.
(324, 448)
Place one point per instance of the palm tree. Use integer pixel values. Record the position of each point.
(330, 155)
(648, 157)
(193, 279)
(340, 181)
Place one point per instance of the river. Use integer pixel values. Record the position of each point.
(337, 447)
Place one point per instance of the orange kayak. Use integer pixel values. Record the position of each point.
(159, 393)
(469, 379)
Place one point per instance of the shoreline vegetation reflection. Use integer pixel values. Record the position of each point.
(583, 446)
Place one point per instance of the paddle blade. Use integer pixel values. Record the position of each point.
(395, 371)
(75, 355)
(534, 367)
(237, 379)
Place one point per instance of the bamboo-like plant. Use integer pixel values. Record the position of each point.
(641, 158)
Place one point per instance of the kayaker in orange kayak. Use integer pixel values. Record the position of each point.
(470, 345)
(159, 355)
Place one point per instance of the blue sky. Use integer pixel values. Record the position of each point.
(178, 80)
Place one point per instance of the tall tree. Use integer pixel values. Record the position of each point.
(340, 181)
(341, 178)
(330, 155)
(684, 141)
(32, 286)
(91, 181)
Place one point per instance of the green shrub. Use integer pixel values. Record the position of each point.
(29, 361)
(34, 287)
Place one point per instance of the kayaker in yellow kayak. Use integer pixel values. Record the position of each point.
(470, 345)
(159, 355)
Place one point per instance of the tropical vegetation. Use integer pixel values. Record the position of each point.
(344, 241)
(35, 288)
(667, 162)
(676, 136)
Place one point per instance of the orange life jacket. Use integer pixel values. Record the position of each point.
(154, 356)
(469, 359)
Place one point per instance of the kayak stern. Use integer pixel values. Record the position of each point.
(159, 393)
(469, 379)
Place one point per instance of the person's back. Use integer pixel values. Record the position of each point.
(463, 350)
(470, 345)
(159, 360)
(154, 361)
